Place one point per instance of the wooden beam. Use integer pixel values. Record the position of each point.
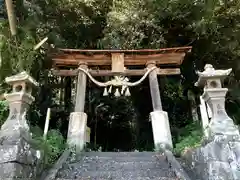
(101, 60)
(128, 72)
(163, 50)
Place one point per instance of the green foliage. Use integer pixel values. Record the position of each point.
(52, 147)
(131, 25)
(17, 53)
(175, 102)
(3, 112)
(56, 145)
(189, 137)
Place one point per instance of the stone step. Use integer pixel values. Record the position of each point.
(114, 165)
(119, 154)
(122, 178)
(118, 174)
(122, 159)
(134, 156)
(117, 165)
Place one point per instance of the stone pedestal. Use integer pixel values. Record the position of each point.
(221, 123)
(77, 129)
(18, 159)
(161, 130)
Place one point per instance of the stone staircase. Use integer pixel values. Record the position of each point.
(117, 166)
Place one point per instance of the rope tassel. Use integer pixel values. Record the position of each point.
(105, 93)
(127, 92)
(117, 93)
(110, 90)
(122, 91)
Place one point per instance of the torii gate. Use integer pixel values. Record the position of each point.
(154, 62)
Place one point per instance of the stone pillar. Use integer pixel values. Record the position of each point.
(159, 118)
(214, 95)
(18, 159)
(77, 130)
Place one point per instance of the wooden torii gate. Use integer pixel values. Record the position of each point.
(116, 63)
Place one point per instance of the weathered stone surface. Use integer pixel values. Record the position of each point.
(218, 170)
(9, 153)
(218, 156)
(214, 161)
(114, 165)
(235, 147)
(15, 138)
(77, 130)
(122, 178)
(222, 125)
(21, 77)
(214, 96)
(16, 170)
(215, 152)
(161, 129)
(18, 160)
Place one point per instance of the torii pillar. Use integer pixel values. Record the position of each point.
(77, 128)
(159, 118)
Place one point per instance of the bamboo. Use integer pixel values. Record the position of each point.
(11, 17)
(40, 43)
(46, 124)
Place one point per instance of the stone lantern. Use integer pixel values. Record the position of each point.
(18, 158)
(214, 95)
(19, 100)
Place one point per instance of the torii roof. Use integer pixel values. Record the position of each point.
(72, 57)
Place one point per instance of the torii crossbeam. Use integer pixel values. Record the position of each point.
(65, 60)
